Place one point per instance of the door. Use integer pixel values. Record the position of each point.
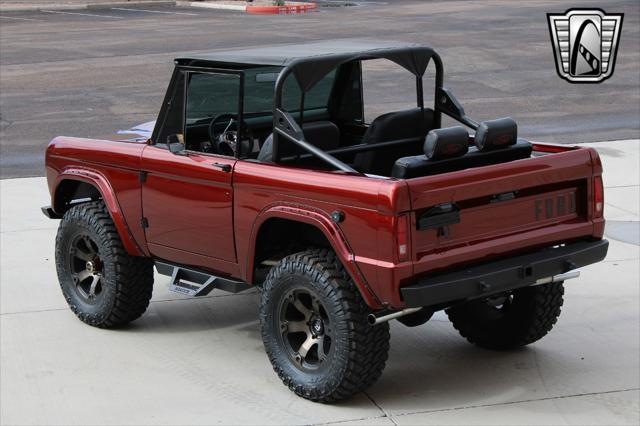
(187, 202)
(187, 197)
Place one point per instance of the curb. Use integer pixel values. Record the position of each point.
(293, 8)
(82, 6)
(289, 9)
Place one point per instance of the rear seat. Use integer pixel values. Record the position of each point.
(497, 140)
(419, 165)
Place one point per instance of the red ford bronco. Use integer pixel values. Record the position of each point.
(262, 171)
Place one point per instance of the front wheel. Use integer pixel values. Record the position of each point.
(509, 320)
(103, 285)
(315, 331)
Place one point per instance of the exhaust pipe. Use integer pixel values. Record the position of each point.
(372, 319)
(557, 278)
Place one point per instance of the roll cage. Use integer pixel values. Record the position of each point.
(414, 59)
(309, 63)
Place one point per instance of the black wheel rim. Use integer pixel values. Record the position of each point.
(306, 330)
(86, 268)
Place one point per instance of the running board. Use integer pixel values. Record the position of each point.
(195, 283)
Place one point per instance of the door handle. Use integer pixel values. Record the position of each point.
(224, 167)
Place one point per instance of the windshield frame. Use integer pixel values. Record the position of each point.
(188, 70)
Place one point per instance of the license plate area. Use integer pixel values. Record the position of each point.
(497, 215)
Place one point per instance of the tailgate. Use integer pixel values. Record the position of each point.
(482, 213)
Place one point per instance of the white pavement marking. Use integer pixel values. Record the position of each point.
(218, 6)
(21, 19)
(153, 11)
(81, 14)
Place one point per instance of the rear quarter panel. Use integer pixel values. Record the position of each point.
(263, 191)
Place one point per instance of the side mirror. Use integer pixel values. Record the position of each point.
(176, 144)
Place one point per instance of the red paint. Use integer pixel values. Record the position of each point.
(116, 178)
(201, 216)
(187, 201)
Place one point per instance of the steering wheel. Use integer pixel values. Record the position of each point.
(225, 142)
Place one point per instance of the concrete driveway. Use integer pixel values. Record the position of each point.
(201, 361)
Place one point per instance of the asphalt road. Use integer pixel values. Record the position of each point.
(91, 72)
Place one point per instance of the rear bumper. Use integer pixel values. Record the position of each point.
(502, 275)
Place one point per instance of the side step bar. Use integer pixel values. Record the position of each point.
(195, 283)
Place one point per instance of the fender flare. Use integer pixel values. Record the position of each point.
(322, 221)
(101, 183)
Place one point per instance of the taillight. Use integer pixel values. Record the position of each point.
(598, 197)
(402, 232)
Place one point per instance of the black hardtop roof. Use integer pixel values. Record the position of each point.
(284, 54)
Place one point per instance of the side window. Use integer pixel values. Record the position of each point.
(348, 100)
(386, 87)
(172, 121)
(208, 96)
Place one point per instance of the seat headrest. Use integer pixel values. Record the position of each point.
(405, 124)
(498, 133)
(322, 134)
(446, 143)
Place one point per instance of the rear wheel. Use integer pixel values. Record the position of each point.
(509, 320)
(315, 330)
(103, 285)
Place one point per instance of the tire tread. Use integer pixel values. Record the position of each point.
(133, 275)
(369, 345)
(540, 312)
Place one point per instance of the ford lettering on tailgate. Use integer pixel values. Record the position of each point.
(555, 206)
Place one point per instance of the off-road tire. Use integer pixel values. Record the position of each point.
(359, 351)
(126, 282)
(529, 316)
